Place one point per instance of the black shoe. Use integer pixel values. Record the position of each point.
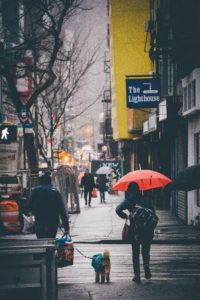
(136, 279)
(147, 272)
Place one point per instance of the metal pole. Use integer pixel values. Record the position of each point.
(51, 138)
(24, 148)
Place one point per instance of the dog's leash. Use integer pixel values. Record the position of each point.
(82, 253)
(89, 257)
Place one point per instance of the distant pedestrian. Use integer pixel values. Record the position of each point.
(87, 182)
(101, 185)
(141, 238)
(47, 206)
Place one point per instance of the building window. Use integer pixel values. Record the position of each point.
(189, 96)
(197, 142)
(185, 107)
(193, 93)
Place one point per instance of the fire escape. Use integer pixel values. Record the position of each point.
(107, 128)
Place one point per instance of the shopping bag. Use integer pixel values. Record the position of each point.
(29, 224)
(65, 251)
(94, 193)
(126, 232)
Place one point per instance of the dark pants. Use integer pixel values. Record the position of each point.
(143, 243)
(102, 196)
(45, 231)
(87, 194)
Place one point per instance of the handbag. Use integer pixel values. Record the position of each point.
(94, 193)
(126, 232)
(65, 251)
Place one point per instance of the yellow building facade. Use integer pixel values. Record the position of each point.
(128, 58)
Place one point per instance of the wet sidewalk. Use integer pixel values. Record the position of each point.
(100, 224)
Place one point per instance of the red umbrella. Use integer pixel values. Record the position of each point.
(146, 180)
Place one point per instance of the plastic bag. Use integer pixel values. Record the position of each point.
(94, 193)
(29, 224)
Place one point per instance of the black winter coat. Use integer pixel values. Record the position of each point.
(47, 205)
(87, 182)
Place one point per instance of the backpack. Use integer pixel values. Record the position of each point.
(97, 261)
(144, 218)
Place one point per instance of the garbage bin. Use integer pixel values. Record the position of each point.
(28, 266)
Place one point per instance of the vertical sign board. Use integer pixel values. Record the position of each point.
(9, 157)
(142, 92)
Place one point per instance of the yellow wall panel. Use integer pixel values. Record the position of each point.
(127, 58)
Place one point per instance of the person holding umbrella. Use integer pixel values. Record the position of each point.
(139, 238)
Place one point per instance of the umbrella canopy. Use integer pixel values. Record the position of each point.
(187, 180)
(146, 180)
(104, 170)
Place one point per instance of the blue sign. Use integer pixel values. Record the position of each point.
(142, 92)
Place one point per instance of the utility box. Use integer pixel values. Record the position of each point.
(26, 267)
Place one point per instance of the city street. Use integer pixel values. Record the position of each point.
(99, 96)
(174, 262)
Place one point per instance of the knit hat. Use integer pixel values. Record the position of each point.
(45, 178)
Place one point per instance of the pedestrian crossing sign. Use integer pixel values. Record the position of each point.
(8, 133)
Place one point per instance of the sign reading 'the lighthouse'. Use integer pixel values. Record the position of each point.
(142, 93)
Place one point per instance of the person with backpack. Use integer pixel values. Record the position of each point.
(142, 224)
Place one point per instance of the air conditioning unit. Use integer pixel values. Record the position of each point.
(191, 93)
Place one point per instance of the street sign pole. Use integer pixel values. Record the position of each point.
(24, 119)
(24, 148)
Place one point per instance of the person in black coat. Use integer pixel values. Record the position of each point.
(101, 184)
(47, 206)
(87, 182)
(141, 239)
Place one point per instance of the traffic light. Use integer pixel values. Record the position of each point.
(8, 133)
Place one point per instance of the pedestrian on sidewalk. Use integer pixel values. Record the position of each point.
(47, 206)
(101, 185)
(87, 182)
(139, 238)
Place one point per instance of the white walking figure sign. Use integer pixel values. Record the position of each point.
(4, 134)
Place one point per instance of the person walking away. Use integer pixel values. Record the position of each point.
(140, 238)
(101, 184)
(87, 182)
(147, 200)
(47, 206)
